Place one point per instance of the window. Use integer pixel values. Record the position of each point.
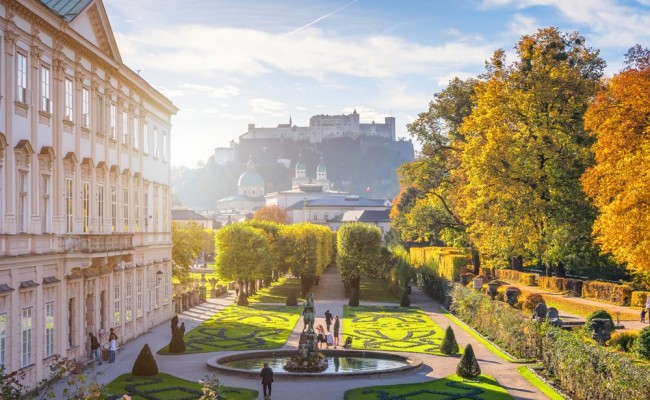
(125, 127)
(116, 305)
(113, 121)
(138, 309)
(68, 99)
(72, 322)
(125, 208)
(45, 204)
(21, 77)
(146, 207)
(136, 133)
(46, 76)
(157, 298)
(129, 302)
(315, 217)
(100, 207)
(68, 205)
(164, 210)
(22, 202)
(101, 124)
(155, 209)
(49, 329)
(136, 203)
(167, 289)
(85, 107)
(113, 208)
(145, 138)
(156, 152)
(26, 325)
(3, 338)
(85, 195)
(164, 146)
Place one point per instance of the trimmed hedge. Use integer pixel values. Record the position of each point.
(513, 276)
(638, 298)
(555, 284)
(612, 292)
(448, 262)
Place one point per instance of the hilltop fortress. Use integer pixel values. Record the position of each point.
(323, 127)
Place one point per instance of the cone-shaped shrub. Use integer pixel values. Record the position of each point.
(405, 302)
(449, 344)
(145, 364)
(468, 366)
(291, 300)
(354, 299)
(243, 299)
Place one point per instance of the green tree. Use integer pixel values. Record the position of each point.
(358, 252)
(242, 253)
(307, 251)
(188, 241)
(524, 150)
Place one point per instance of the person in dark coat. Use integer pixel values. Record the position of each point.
(94, 348)
(182, 328)
(328, 319)
(267, 379)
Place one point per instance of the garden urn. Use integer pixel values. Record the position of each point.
(492, 289)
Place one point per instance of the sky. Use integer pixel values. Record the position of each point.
(229, 63)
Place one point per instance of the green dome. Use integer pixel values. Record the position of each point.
(300, 165)
(250, 178)
(321, 168)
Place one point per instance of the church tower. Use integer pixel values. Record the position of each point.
(301, 173)
(321, 175)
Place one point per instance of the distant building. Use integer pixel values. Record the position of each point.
(225, 155)
(326, 208)
(184, 215)
(249, 197)
(85, 240)
(379, 218)
(322, 127)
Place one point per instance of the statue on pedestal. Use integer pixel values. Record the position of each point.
(308, 314)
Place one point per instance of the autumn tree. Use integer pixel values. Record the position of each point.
(188, 242)
(358, 252)
(524, 150)
(242, 253)
(271, 213)
(619, 182)
(307, 251)
(275, 263)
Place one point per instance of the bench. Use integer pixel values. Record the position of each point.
(83, 363)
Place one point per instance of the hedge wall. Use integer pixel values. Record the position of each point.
(449, 262)
(555, 284)
(638, 298)
(612, 292)
(513, 276)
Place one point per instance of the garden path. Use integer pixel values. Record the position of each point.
(328, 294)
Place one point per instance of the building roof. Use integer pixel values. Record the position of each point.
(185, 214)
(369, 216)
(240, 197)
(339, 201)
(250, 178)
(66, 9)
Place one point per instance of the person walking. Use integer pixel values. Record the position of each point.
(328, 319)
(337, 328)
(94, 348)
(267, 379)
(112, 348)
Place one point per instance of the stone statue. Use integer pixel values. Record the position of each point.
(308, 314)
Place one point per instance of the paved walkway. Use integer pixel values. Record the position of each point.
(328, 295)
(612, 309)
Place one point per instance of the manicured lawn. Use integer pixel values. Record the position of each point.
(278, 291)
(391, 328)
(531, 377)
(242, 328)
(167, 387)
(452, 387)
(376, 290)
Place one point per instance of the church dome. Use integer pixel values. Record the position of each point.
(321, 168)
(250, 178)
(300, 165)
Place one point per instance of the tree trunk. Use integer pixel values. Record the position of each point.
(517, 263)
(306, 283)
(355, 283)
(549, 270)
(559, 270)
(476, 262)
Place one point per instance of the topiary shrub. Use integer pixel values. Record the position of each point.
(354, 298)
(291, 300)
(405, 302)
(468, 366)
(145, 364)
(449, 344)
(531, 301)
(623, 341)
(643, 343)
(598, 314)
(242, 300)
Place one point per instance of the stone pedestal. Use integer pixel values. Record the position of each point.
(308, 358)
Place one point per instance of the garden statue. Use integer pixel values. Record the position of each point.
(539, 314)
(553, 317)
(512, 295)
(308, 314)
(601, 330)
(177, 343)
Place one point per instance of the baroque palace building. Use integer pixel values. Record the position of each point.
(85, 242)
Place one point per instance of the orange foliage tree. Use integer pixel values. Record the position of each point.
(619, 182)
(272, 214)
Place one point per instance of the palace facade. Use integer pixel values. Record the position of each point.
(85, 241)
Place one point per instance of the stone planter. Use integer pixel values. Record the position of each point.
(477, 283)
(493, 287)
(512, 295)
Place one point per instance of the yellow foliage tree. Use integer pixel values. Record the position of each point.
(619, 182)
